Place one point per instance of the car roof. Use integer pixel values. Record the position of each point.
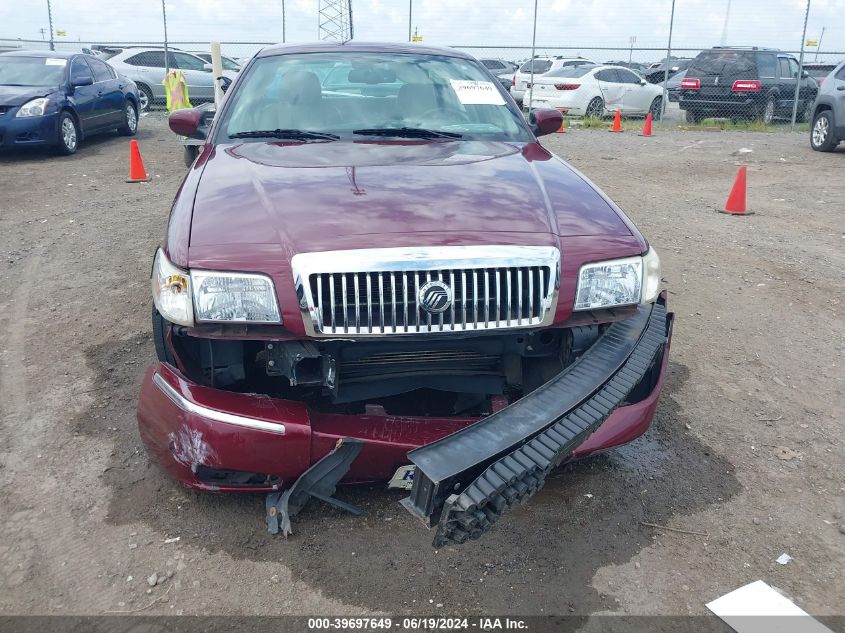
(50, 54)
(360, 47)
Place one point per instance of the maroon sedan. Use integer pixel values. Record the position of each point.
(374, 272)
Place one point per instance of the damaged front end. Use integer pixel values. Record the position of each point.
(455, 367)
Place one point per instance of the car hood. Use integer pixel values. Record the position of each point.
(18, 95)
(307, 196)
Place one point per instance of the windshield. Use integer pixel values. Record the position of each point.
(540, 66)
(714, 62)
(31, 71)
(352, 95)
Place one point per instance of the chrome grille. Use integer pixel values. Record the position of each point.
(378, 295)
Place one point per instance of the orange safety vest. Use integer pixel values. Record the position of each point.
(176, 90)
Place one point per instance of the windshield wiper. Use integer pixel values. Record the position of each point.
(291, 134)
(406, 132)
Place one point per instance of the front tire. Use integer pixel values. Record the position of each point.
(595, 108)
(694, 117)
(68, 134)
(656, 108)
(130, 120)
(806, 113)
(145, 97)
(822, 136)
(767, 114)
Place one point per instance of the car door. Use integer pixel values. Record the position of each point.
(612, 89)
(636, 97)
(788, 75)
(84, 98)
(109, 105)
(838, 93)
(148, 69)
(200, 81)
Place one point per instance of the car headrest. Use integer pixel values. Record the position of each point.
(301, 87)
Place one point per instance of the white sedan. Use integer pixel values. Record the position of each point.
(595, 91)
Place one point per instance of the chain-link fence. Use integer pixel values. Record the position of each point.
(703, 82)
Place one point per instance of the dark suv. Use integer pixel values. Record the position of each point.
(745, 83)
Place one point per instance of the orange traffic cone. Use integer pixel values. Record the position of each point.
(562, 128)
(647, 126)
(137, 173)
(736, 200)
(617, 122)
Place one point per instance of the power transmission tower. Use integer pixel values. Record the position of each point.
(335, 18)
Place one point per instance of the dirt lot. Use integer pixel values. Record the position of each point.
(747, 445)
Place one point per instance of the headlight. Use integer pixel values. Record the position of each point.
(182, 295)
(618, 282)
(36, 107)
(172, 291)
(234, 297)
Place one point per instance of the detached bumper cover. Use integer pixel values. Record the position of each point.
(467, 480)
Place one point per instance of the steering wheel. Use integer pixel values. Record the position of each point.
(461, 116)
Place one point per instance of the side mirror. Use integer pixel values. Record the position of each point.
(805, 74)
(188, 122)
(207, 67)
(643, 82)
(81, 80)
(545, 121)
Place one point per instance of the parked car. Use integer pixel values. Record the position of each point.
(595, 91)
(146, 67)
(383, 293)
(673, 86)
(522, 78)
(637, 67)
(745, 83)
(59, 99)
(228, 63)
(656, 73)
(828, 128)
(819, 70)
(501, 68)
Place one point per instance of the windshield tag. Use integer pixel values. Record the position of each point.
(477, 92)
(54, 61)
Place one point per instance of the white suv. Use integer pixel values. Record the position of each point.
(542, 65)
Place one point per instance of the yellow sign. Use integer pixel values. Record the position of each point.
(416, 38)
(61, 33)
(812, 43)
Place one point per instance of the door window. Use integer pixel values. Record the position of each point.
(492, 64)
(783, 63)
(767, 66)
(188, 62)
(79, 69)
(841, 73)
(793, 68)
(627, 77)
(608, 75)
(150, 59)
(102, 72)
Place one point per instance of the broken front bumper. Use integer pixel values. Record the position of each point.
(465, 481)
(219, 440)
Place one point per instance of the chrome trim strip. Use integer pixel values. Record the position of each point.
(213, 414)
(500, 260)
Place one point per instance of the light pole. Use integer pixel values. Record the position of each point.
(410, 17)
(725, 25)
(665, 98)
(166, 55)
(631, 41)
(533, 47)
(800, 68)
(283, 21)
(50, 19)
(819, 46)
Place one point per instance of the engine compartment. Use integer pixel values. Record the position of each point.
(423, 376)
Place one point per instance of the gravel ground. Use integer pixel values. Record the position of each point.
(746, 448)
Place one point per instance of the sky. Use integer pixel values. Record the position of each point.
(584, 25)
